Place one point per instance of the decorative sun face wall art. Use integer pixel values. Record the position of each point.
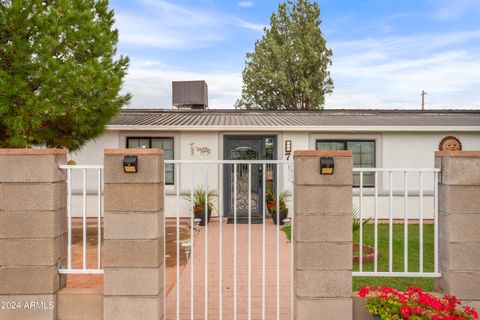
(450, 143)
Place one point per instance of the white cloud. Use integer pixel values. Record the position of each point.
(245, 4)
(151, 85)
(391, 72)
(167, 25)
(137, 30)
(249, 25)
(383, 72)
(383, 24)
(450, 10)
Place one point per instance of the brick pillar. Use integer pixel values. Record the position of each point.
(459, 225)
(134, 237)
(32, 232)
(323, 237)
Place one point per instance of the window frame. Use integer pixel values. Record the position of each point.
(150, 146)
(345, 142)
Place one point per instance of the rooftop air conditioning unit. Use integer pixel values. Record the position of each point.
(190, 94)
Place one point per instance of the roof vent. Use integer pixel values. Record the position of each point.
(190, 94)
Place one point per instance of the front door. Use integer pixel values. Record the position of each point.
(246, 148)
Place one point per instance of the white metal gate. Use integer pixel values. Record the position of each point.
(189, 174)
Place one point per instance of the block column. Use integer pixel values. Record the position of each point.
(323, 237)
(459, 225)
(134, 236)
(33, 226)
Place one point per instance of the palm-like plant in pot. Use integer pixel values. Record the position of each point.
(272, 206)
(202, 198)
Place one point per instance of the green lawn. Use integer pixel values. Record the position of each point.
(413, 256)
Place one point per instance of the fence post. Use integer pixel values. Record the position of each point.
(459, 225)
(323, 237)
(32, 232)
(134, 236)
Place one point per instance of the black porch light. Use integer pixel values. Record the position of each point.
(130, 164)
(326, 165)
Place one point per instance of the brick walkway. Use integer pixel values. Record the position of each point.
(228, 275)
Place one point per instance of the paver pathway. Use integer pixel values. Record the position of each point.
(228, 275)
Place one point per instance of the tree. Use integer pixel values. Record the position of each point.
(289, 66)
(59, 75)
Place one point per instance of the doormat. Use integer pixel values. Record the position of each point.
(244, 220)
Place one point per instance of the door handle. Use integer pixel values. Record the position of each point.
(260, 174)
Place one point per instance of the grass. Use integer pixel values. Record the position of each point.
(398, 256)
(288, 232)
(398, 252)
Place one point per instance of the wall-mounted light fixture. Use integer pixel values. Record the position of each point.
(130, 164)
(288, 147)
(327, 165)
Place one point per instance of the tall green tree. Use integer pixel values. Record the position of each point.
(60, 75)
(289, 66)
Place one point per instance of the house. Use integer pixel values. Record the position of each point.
(377, 138)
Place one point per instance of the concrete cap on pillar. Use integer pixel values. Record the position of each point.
(29, 151)
(464, 154)
(322, 153)
(138, 151)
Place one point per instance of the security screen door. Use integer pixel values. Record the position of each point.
(247, 148)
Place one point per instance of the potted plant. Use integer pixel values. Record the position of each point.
(387, 303)
(271, 202)
(199, 197)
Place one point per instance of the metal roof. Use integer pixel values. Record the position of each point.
(164, 118)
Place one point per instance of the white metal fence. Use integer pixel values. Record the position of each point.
(249, 180)
(408, 184)
(83, 265)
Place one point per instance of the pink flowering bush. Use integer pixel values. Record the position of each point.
(388, 303)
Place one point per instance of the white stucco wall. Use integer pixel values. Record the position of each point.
(91, 153)
(185, 142)
(393, 150)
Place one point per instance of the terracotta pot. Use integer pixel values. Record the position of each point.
(283, 216)
(201, 215)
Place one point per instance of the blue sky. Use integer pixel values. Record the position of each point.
(385, 52)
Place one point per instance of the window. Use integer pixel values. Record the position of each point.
(269, 148)
(162, 143)
(363, 154)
